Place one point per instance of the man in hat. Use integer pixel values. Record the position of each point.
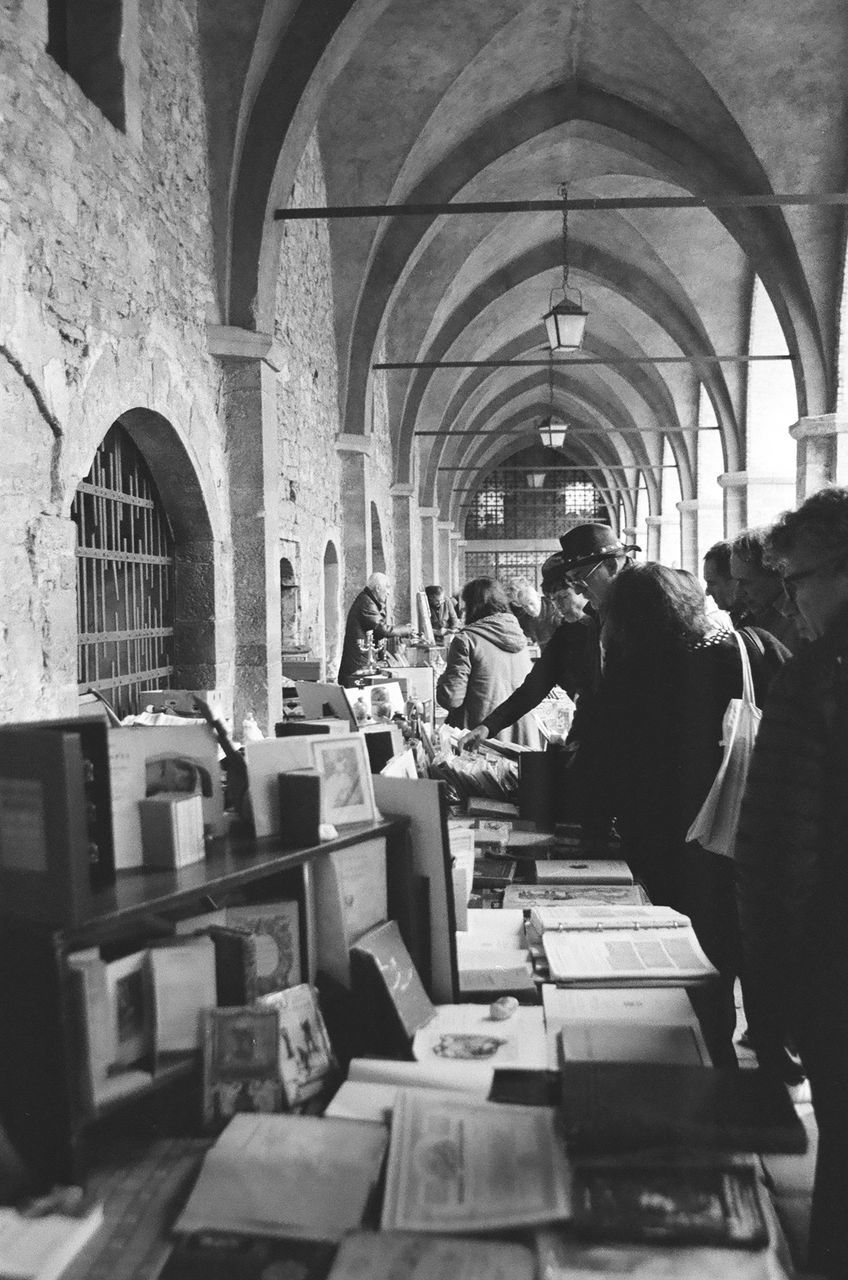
(565, 660)
(592, 556)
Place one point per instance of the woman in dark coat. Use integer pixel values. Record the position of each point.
(668, 677)
(486, 662)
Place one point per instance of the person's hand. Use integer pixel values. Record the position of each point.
(473, 739)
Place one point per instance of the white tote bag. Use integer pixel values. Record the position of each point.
(715, 826)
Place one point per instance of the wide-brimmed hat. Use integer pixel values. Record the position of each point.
(587, 542)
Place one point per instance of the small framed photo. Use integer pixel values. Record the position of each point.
(347, 793)
(130, 1011)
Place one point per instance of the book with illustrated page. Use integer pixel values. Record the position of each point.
(680, 1202)
(620, 945)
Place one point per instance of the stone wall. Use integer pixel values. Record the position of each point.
(105, 286)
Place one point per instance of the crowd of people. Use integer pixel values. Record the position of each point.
(652, 662)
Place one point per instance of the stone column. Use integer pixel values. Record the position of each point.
(735, 486)
(701, 524)
(429, 544)
(457, 576)
(249, 371)
(822, 452)
(688, 508)
(663, 541)
(404, 509)
(354, 452)
(444, 568)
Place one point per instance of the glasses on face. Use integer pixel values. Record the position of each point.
(579, 580)
(791, 580)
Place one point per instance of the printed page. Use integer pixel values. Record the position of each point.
(455, 1165)
(666, 955)
(466, 1034)
(669, 1006)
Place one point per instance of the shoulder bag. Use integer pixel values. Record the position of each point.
(718, 818)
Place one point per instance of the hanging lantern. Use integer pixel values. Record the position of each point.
(565, 321)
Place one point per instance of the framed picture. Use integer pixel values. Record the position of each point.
(130, 1011)
(305, 1054)
(346, 789)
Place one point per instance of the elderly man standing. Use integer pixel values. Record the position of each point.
(792, 851)
(759, 595)
(368, 615)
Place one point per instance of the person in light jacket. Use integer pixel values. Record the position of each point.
(486, 662)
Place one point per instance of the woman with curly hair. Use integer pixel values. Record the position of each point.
(656, 747)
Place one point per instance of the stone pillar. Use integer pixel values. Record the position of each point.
(429, 544)
(354, 452)
(405, 584)
(759, 499)
(663, 541)
(735, 486)
(822, 452)
(444, 566)
(249, 386)
(688, 508)
(456, 565)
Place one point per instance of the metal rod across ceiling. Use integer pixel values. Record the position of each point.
(727, 200)
(572, 431)
(610, 466)
(587, 360)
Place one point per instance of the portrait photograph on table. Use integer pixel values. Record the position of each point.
(346, 792)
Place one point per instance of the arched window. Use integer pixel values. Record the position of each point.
(125, 577)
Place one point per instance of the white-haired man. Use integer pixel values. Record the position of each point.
(368, 615)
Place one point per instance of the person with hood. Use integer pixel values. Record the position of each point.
(486, 662)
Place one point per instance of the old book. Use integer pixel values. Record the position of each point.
(678, 1202)
(528, 895)
(303, 1177)
(583, 871)
(388, 990)
(620, 945)
(633, 1042)
(493, 873)
(483, 807)
(241, 1063)
(372, 1084)
(42, 1248)
(350, 898)
(611, 1107)
(182, 980)
(456, 1165)
(305, 1054)
(381, 1256)
(667, 1006)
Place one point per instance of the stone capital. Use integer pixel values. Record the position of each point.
(402, 491)
(698, 504)
(445, 526)
(656, 522)
(428, 512)
(733, 479)
(347, 442)
(822, 425)
(229, 341)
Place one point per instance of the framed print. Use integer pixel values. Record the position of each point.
(130, 1011)
(346, 792)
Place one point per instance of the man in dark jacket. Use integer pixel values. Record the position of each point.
(792, 857)
(366, 616)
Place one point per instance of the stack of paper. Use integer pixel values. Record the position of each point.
(42, 1248)
(372, 1084)
(492, 954)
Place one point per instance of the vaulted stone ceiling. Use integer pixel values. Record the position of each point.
(448, 100)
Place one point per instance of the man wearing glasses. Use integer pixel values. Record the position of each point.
(792, 851)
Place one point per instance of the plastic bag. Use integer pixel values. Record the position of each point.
(718, 818)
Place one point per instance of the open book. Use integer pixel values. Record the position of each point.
(620, 945)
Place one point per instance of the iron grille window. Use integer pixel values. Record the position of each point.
(505, 565)
(125, 577)
(507, 507)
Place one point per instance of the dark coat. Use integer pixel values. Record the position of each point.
(365, 615)
(443, 617)
(656, 745)
(486, 662)
(792, 855)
